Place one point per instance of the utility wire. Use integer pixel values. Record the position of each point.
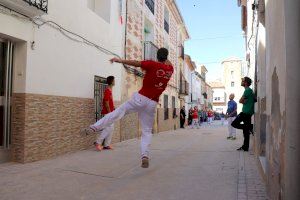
(38, 21)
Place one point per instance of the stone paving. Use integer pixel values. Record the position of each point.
(187, 164)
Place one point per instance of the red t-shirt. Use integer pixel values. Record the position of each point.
(156, 78)
(195, 114)
(107, 97)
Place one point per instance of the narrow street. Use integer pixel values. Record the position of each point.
(186, 164)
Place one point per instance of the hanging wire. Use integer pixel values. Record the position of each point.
(39, 22)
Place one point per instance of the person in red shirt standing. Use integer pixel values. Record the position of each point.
(107, 107)
(195, 122)
(144, 102)
(210, 116)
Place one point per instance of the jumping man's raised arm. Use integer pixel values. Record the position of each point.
(133, 63)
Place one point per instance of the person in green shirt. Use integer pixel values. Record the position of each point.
(248, 100)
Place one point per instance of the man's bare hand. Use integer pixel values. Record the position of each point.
(117, 60)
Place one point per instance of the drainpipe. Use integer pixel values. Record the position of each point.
(126, 18)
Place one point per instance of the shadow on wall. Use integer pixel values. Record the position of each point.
(276, 143)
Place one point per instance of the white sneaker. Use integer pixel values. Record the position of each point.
(88, 131)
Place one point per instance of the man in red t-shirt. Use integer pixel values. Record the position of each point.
(143, 102)
(107, 107)
(195, 123)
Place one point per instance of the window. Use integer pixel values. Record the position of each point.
(232, 84)
(101, 8)
(99, 87)
(166, 109)
(150, 4)
(232, 74)
(148, 31)
(174, 107)
(166, 20)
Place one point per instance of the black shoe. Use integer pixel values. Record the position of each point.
(242, 149)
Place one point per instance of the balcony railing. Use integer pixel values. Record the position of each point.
(150, 4)
(30, 8)
(183, 87)
(181, 51)
(39, 4)
(150, 51)
(166, 26)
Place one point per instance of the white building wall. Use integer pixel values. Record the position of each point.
(57, 65)
(219, 96)
(236, 67)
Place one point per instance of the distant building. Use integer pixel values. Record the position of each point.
(233, 72)
(219, 96)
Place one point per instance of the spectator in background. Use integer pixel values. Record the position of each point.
(190, 117)
(231, 115)
(182, 117)
(195, 123)
(210, 115)
(222, 118)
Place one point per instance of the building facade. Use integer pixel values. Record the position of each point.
(233, 72)
(52, 75)
(55, 70)
(219, 97)
(273, 47)
(152, 24)
(189, 69)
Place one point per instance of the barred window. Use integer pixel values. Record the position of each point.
(99, 87)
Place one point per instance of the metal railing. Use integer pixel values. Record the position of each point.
(166, 26)
(39, 4)
(184, 87)
(150, 51)
(150, 4)
(99, 87)
(181, 51)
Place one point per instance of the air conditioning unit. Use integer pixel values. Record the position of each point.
(30, 8)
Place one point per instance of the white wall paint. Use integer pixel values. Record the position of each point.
(58, 65)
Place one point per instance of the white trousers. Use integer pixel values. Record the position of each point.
(222, 120)
(106, 134)
(210, 119)
(231, 130)
(145, 108)
(195, 123)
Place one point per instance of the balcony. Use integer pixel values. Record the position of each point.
(181, 51)
(166, 26)
(150, 51)
(30, 8)
(151, 5)
(183, 86)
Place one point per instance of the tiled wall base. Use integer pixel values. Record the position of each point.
(47, 126)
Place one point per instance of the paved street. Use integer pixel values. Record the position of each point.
(186, 164)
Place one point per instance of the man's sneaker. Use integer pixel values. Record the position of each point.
(229, 137)
(108, 148)
(88, 131)
(233, 138)
(145, 162)
(98, 146)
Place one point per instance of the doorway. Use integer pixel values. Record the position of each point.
(6, 63)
